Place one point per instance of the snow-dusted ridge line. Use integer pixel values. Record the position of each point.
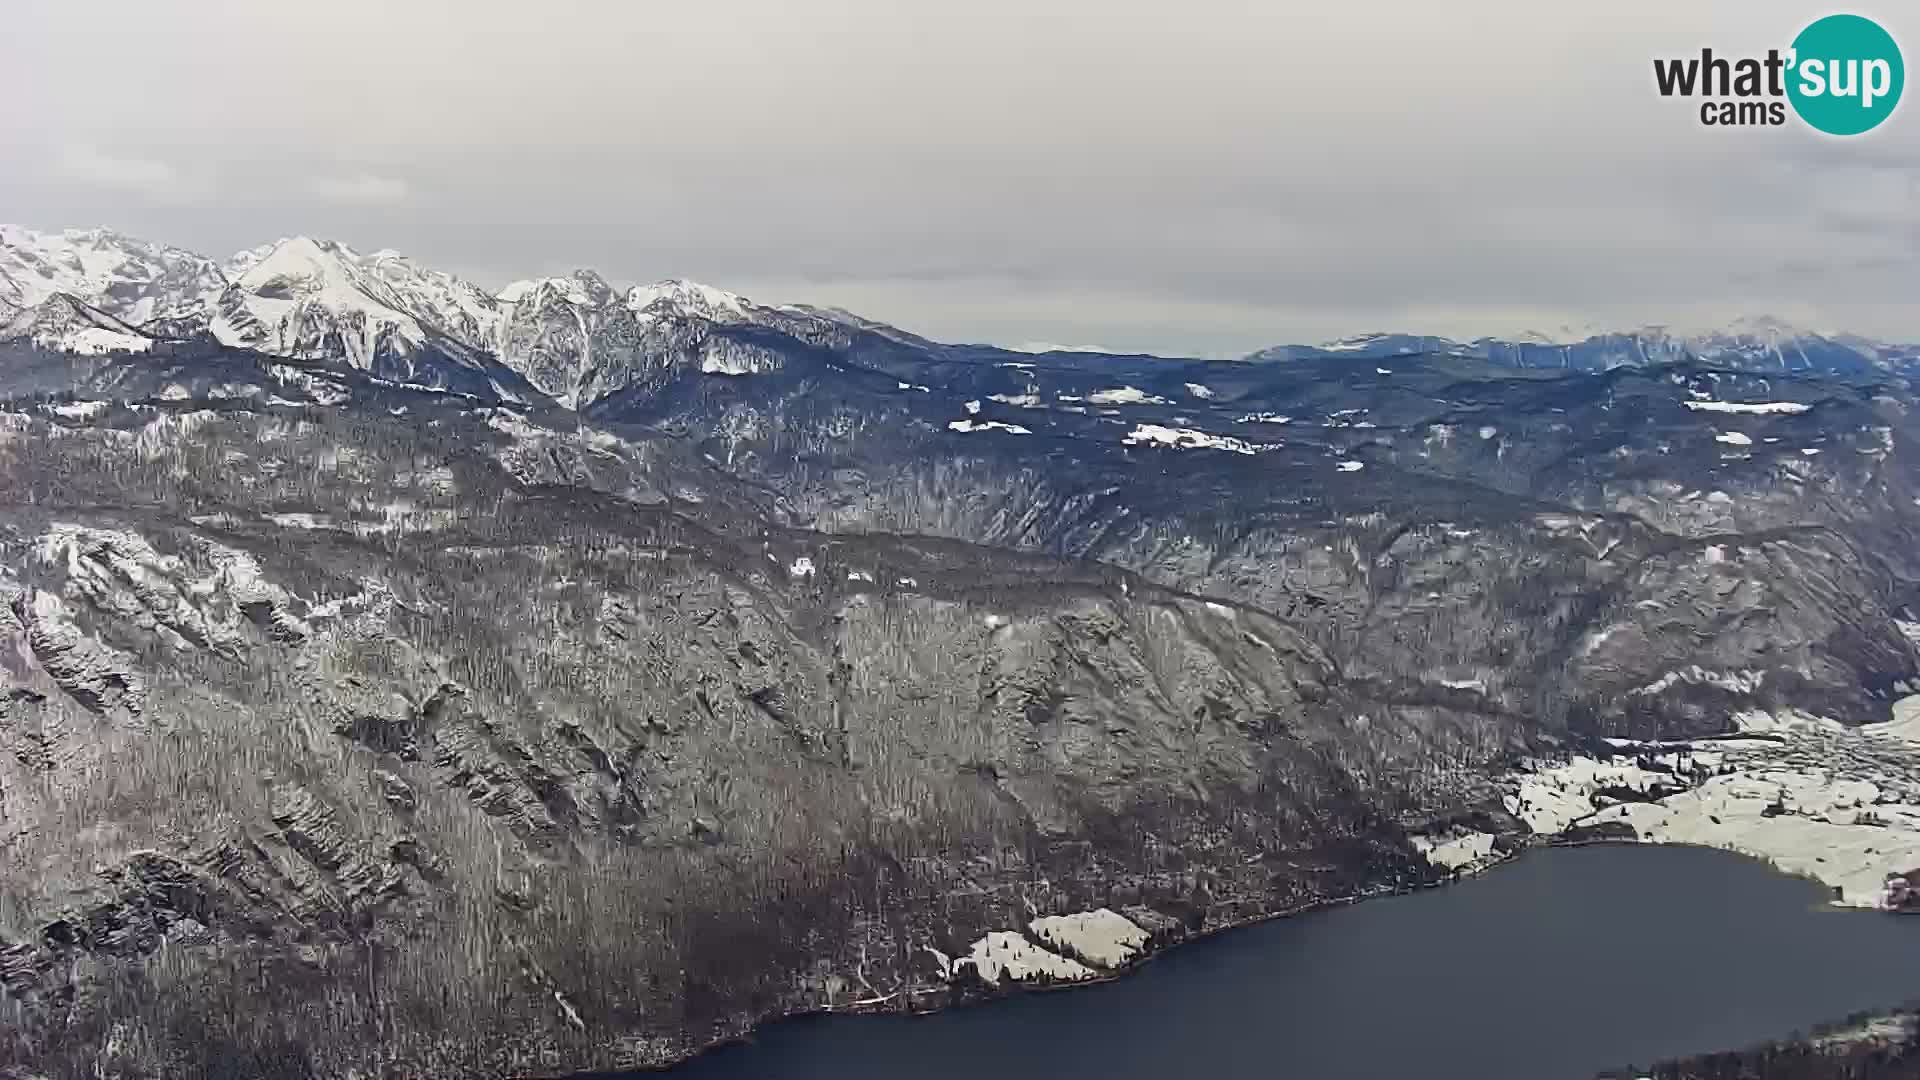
(303, 296)
(146, 280)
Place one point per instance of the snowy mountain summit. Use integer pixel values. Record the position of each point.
(569, 338)
(131, 279)
(579, 340)
(63, 324)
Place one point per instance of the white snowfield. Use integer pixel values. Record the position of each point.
(94, 341)
(1008, 953)
(1466, 852)
(987, 425)
(1185, 439)
(1071, 948)
(1553, 800)
(1759, 408)
(1125, 395)
(1811, 796)
(1741, 681)
(1022, 401)
(79, 410)
(1102, 937)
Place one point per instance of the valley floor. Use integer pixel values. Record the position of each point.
(1813, 798)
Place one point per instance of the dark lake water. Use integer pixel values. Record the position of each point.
(1562, 963)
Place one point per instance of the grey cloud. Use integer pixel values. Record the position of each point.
(1206, 177)
(359, 189)
(134, 177)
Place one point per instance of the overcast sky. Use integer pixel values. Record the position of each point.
(1199, 177)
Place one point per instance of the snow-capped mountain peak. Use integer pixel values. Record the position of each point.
(302, 263)
(240, 262)
(579, 340)
(130, 279)
(309, 297)
(63, 323)
(582, 288)
(680, 296)
(514, 292)
(306, 297)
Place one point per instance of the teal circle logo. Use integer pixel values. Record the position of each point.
(1846, 75)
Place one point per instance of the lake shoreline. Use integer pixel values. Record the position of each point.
(1534, 833)
(970, 996)
(964, 997)
(1311, 980)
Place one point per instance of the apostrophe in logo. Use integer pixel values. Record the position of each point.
(1843, 76)
(1847, 75)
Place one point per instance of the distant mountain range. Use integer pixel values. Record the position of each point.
(578, 340)
(1749, 345)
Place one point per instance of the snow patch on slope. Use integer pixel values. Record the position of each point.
(1102, 937)
(1008, 953)
(1466, 852)
(1185, 439)
(1125, 395)
(1759, 408)
(987, 425)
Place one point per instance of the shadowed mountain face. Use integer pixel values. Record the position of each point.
(738, 661)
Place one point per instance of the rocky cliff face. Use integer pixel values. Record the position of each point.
(350, 724)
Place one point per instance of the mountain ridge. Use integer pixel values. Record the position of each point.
(583, 338)
(1754, 343)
